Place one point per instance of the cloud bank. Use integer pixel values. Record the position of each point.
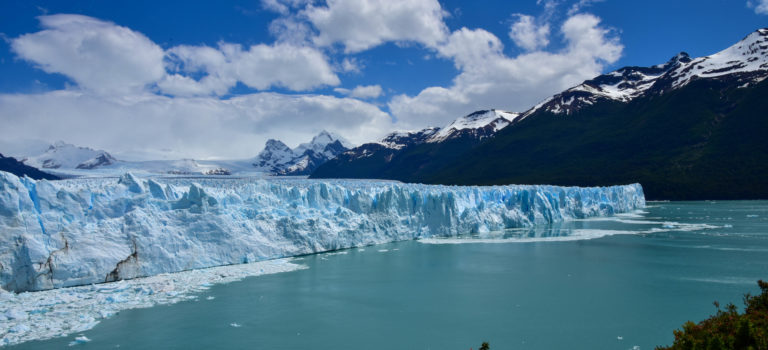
(129, 95)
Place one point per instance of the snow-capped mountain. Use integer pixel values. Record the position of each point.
(476, 125)
(673, 127)
(380, 159)
(274, 154)
(279, 159)
(744, 63)
(479, 124)
(400, 139)
(61, 155)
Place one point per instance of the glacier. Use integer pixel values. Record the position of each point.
(74, 232)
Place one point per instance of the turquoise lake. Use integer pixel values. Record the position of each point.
(641, 277)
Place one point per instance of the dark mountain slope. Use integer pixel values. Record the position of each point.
(11, 165)
(707, 140)
(408, 156)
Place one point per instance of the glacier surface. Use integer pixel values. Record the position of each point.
(74, 232)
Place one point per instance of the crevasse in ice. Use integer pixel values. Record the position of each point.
(73, 232)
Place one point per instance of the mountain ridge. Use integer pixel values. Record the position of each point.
(652, 125)
(62, 155)
(380, 159)
(13, 166)
(279, 159)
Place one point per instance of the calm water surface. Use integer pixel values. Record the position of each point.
(628, 290)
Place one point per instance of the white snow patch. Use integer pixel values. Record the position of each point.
(496, 118)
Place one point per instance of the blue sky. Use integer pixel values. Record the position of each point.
(216, 79)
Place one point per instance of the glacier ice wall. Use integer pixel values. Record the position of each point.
(64, 233)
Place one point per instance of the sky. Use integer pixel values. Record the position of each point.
(215, 80)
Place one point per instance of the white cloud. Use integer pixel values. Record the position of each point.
(98, 55)
(283, 6)
(527, 34)
(469, 47)
(260, 67)
(362, 91)
(291, 29)
(489, 79)
(105, 58)
(350, 65)
(362, 24)
(192, 59)
(119, 72)
(760, 6)
(199, 127)
(577, 7)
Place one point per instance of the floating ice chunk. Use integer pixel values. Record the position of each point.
(15, 314)
(19, 328)
(79, 340)
(210, 298)
(235, 324)
(63, 311)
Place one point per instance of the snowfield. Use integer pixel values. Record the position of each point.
(65, 233)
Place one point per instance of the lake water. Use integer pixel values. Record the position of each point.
(646, 275)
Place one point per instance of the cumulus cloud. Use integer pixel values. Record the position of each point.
(199, 127)
(98, 55)
(362, 24)
(130, 94)
(362, 91)
(760, 6)
(260, 67)
(350, 65)
(469, 47)
(292, 30)
(169, 99)
(490, 79)
(527, 35)
(105, 58)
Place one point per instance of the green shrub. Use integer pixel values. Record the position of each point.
(728, 329)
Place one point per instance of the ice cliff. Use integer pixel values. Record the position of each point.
(73, 232)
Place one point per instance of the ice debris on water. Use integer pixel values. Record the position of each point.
(80, 231)
(79, 340)
(235, 324)
(60, 312)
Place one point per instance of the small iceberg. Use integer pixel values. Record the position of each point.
(79, 340)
